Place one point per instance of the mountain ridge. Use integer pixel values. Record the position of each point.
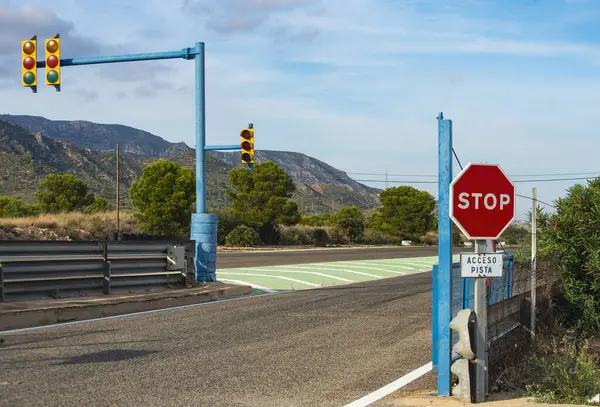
(320, 187)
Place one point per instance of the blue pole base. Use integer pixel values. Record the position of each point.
(204, 232)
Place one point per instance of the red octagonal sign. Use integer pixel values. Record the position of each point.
(482, 201)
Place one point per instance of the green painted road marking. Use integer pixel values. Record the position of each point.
(312, 275)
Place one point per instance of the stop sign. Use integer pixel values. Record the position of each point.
(482, 201)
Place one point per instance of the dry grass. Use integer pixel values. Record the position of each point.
(74, 225)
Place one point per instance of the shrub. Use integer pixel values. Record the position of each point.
(320, 237)
(377, 237)
(242, 236)
(270, 233)
(314, 220)
(225, 224)
(567, 373)
(296, 235)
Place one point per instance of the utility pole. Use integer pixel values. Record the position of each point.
(386, 179)
(118, 197)
(533, 260)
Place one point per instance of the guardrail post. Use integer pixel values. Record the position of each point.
(107, 270)
(1, 283)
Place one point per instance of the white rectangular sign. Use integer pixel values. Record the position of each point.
(481, 264)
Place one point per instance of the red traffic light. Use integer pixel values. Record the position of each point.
(246, 134)
(29, 63)
(52, 61)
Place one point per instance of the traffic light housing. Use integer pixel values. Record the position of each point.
(52, 48)
(464, 324)
(247, 145)
(29, 63)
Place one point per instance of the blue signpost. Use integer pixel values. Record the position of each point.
(442, 281)
(204, 225)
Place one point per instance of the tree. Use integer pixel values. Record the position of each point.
(99, 204)
(63, 193)
(515, 235)
(572, 235)
(351, 221)
(261, 199)
(13, 208)
(163, 198)
(405, 212)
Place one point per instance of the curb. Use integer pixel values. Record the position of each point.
(80, 310)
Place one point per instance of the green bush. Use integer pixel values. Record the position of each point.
(571, 234)
(314, 220)
(99, 204)
(296, 235)
(225, 224)
(320, 237)
(565, 373)
(351, 222)
(242, 236)
(376, 237)
(13, 208)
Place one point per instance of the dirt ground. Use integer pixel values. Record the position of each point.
(428, 398)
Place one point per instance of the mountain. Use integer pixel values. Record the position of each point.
(97, 137)
(38, 146)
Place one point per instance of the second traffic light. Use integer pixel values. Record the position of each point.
(247, 145)
(29, 61)
(52, 47)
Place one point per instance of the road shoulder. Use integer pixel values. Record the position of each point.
(25, 314)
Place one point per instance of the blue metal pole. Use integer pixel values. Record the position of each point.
(200, 130)
(186, 53)
(224, 147)
(204, 225)
(444, 289)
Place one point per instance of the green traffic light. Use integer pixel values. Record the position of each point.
(246, 157)
(52, 76)
(29, 78)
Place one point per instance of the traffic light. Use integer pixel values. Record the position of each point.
(29, 63)
(464, 324)
(52, 47)
(247, 145)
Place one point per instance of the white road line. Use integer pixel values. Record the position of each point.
(401, 266)
(400, 263)
(392, 387)
(369, 268)
(259, 287)
(267, 275)
(305, 272)
(325, 268)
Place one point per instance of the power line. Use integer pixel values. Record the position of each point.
(457, 160)
(435, 182)
(537, 200)
(513, 175)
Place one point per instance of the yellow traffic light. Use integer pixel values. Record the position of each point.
(52, 48)
(247, 146)
(29, 63)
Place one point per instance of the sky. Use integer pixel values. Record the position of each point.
(355, 83)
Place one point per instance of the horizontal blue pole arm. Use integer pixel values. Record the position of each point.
(225, 147)
(186, 53)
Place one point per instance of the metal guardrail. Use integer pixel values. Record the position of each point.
(49, 268)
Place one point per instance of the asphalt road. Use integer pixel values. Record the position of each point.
(274, 258)
(321, 347)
